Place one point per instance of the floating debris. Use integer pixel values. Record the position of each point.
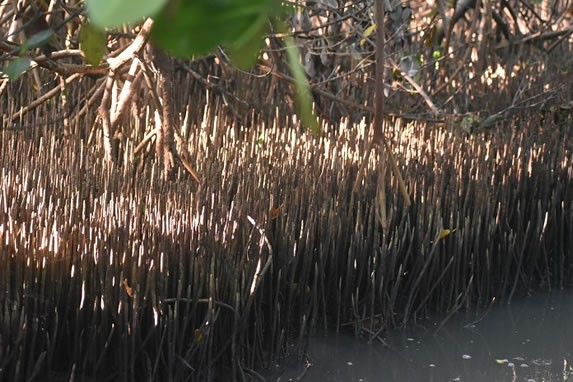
(542, 362)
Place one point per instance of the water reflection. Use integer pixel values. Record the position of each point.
(530, 340)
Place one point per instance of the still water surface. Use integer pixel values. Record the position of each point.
(529, 340)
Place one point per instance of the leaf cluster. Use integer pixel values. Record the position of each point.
(192, 28)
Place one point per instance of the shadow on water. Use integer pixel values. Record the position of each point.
(530, 340)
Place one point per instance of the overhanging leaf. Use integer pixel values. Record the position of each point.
(190, 28)
(243, 51)
(303, 96)
(36, 40)
(114, 13)
(16, 67)
(93, 42)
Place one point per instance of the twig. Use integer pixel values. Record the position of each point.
(301, 376)
(254, 374)
(418, 88)
(469, 325)
(316, 89)
(362, 167)
(53, 66)
(145, 139)
(95, 96)
(38, 101)
(456, 307)
(375, 336)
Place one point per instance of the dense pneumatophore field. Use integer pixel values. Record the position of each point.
(111, 273)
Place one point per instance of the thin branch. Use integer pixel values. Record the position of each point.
(418, 88)
(316, 89)
(145, 139)
(38, 101)
(95, 96)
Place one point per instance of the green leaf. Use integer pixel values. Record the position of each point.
(37, 40)
(367, 32)
(244, 50)
(16, 67)
(114, 13)
(189, 28)
(93, 42)
(303, 96)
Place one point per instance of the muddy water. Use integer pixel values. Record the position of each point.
(529, 340)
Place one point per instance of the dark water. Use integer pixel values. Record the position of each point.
(529, 340)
